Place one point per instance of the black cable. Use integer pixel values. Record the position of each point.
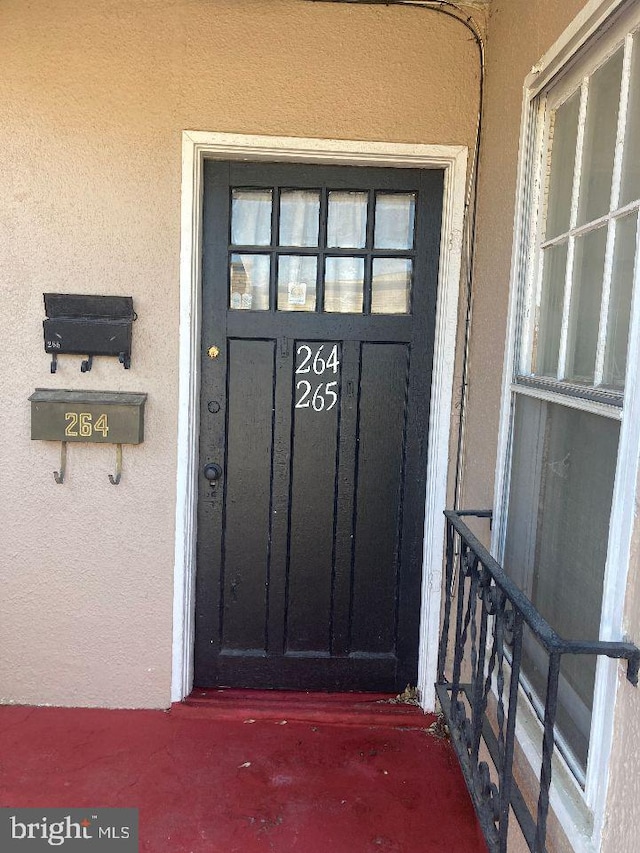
(445, 7)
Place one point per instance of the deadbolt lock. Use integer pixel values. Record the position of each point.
(213, 352)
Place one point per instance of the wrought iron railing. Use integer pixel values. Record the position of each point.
(490, 616)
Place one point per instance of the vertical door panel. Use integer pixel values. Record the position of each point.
(311, 535)
(383, 392)
(248, 493)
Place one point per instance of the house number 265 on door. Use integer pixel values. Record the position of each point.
(317, 362)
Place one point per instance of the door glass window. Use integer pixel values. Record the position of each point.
(297, 282)
(251, 217)
(347, 220)
(299, 217)
(394, 218)
(390, 286)
(249, 282)
(322, 250)
(344, 285)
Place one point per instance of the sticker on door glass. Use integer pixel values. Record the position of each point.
(297, 292)
(297, 283)
(317, 363)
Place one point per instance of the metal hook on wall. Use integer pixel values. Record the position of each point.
(58, 476)
(115, 480)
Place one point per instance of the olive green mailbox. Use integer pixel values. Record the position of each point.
(102, 417)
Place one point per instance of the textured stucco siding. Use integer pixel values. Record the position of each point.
(94, 95)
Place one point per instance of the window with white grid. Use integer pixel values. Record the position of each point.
(571, 364)
(587, 233)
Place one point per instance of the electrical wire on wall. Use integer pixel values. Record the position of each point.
(457, 13)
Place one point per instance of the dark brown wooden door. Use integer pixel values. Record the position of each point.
(319, 290)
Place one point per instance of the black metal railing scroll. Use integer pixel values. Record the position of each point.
(485, 615)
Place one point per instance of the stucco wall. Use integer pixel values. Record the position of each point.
(622, 826)
(94, 95)
(519, 33)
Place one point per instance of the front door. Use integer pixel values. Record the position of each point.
(319, 294)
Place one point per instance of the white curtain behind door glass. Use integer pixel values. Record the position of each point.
(251, 217)
(299, 217)
(250, 226)
(347, 220)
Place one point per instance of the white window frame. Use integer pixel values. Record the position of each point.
(588, 39)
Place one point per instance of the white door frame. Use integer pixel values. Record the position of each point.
(200, 145)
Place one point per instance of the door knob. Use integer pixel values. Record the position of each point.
(212, 472)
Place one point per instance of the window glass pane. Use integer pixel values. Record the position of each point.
(297, 283)
(299, 217)
(630, 189)
(584, 316)
(615, 362)
(250, 217)
(344, 285)
(545, 357)
(562, 476)
(600, 140)
(395, 215)
(347, 220)
(391, 285)
(249, 282)
(564, 130)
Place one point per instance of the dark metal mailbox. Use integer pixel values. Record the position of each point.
(88, 325)
(105, 417)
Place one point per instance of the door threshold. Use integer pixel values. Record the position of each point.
(284, 706)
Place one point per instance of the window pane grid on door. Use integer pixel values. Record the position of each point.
(571, 337)
(360, 244)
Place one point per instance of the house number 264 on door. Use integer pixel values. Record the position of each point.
(319, 396)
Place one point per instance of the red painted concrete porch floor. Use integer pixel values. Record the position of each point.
(249, 772)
